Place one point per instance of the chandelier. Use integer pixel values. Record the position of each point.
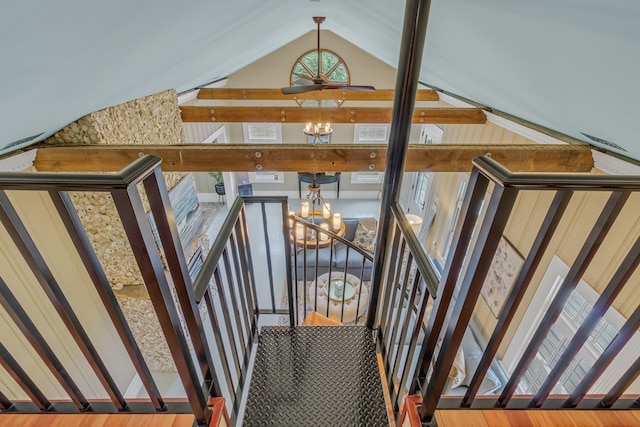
(315, 209)
(317, 131)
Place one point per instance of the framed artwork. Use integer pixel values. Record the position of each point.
(266, 177)
(269, 133)
(502, 273)
(366, 177)
(369, 133)
(263, 133)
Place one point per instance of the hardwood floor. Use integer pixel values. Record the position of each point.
(535, 418)
(96, 420)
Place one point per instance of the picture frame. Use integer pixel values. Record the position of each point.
(266, 177)
(265, 133)
(369, 133)
(501, 276)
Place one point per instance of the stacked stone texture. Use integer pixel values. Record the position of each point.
(154, 119)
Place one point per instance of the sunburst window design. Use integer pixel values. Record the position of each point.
(305, 69)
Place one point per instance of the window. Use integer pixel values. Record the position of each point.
(573, 314)
(447, 236)
(420, 195)
(334, 70)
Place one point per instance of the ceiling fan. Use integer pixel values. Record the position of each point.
(320, 81)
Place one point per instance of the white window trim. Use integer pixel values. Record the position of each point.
(549, 285)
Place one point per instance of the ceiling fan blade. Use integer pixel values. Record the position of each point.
(350, 87)
(304, 77)
(318, 82)
(292, 90)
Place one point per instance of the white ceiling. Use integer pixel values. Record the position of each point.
(569, 65)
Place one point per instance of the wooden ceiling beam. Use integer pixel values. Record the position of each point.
(276, 94)
(323, 115)
(312, 157)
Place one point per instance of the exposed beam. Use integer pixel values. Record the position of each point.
(308, 157)
(333, 115)
(276, 94)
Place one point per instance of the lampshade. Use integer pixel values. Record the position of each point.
(415, 221)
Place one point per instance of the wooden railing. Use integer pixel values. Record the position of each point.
(455, 295)
(209, 325)
(193, 366)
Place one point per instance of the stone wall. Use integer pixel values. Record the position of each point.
(151, 120)
(154, 119)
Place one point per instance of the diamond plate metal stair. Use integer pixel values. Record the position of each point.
(316, 376)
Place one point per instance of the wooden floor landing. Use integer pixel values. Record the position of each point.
(96, 420)
(547, 418)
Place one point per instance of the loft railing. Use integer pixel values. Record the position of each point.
(180, 323)
(209, 325)
(241, 286)
(476, 239)
(410, 283)
(212, 327)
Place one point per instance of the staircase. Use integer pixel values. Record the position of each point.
(316, 375)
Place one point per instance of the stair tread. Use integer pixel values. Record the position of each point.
(315, 375)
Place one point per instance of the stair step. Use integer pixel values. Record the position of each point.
(316, 376)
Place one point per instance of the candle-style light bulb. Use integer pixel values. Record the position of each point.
(326, 210)
(304, 210)
(336, 221)
(324, 236)
(299, 232)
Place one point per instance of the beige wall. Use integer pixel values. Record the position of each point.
(273, 70)
(41, 220)
(521, 231)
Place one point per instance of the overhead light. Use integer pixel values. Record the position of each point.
(316, 210)
(317, 131)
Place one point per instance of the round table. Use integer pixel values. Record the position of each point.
(356, 296)
(319, 178)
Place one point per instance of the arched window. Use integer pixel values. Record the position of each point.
(334, 70)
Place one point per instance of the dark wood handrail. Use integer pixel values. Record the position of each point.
(554, 181)
(63, 181)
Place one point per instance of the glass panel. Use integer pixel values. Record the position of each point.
(573, 305)
(607, 334)
(339, 74)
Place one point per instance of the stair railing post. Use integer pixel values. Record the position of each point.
(413, 35)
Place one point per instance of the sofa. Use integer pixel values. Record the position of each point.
(319, 261)
(466, 362)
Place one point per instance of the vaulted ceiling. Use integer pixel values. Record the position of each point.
(566, 65)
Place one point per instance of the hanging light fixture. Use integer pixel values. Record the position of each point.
(314, 208)
(317, 131)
